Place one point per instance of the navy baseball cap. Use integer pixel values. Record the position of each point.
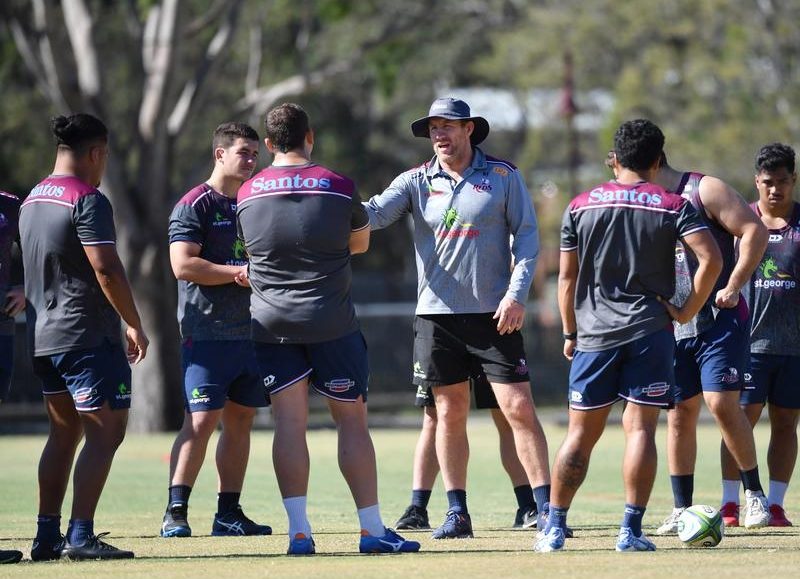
(455, 109)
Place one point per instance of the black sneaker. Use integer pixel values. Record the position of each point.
(413, 518)
(525, 519)
(7, 557)
(175, 523)
(44, 551)
(455, 526)
(94, 548)
(235, 523)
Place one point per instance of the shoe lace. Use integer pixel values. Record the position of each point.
(756, 505)
(96, 539)
(673, 516)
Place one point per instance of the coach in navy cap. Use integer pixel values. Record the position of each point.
(472, 291)
(455, 109)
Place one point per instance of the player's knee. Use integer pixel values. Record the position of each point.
(783, 424)
(519, 412)
(724, 408)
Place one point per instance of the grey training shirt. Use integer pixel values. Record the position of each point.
(461, 233)
(67, 308)
(296, 223)
(625, 237)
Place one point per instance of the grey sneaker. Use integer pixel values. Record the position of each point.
(756, 510)
(670, 524)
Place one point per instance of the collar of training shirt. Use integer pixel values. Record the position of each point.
(433, 170)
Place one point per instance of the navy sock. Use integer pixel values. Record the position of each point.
(542, 496)
(457, 499)
(420, 498)
(227, 502)
(633, 518)
(48, 528)
(79, 531)
(524, 494)
(682, 490)
(751, 481)
(179, 494)
(557, 518)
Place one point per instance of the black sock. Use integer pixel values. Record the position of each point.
(227, 502)
(682, 490)
(751, 481)
(179, 494)
(457, 499)
(48, 528)
(420, 498)
(524, 494)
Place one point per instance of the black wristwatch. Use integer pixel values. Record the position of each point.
(571, 336)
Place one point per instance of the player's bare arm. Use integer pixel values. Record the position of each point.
(359, 240)
(567, 279)
(187, 265)
(709, 259)
(728, 208)
(112, 279)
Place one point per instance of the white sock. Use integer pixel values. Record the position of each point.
(370, 520)
(777, 492)
(298, 520)
(730, 491)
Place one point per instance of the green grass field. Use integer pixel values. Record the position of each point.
(133, 503)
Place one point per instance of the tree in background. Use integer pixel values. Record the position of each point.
(163, 74)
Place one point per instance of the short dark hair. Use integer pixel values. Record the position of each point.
(227, 133)
(638, 144)
(78, 131)
(774, 156)
(286, 126)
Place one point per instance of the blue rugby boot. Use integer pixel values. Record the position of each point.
(455, 526)
(301, 545)
(552, 540)
(390, 542)
(175, 523)
(628, 542)
(235, 523)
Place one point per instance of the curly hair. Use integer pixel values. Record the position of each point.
(774, 156)
(638, 144)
